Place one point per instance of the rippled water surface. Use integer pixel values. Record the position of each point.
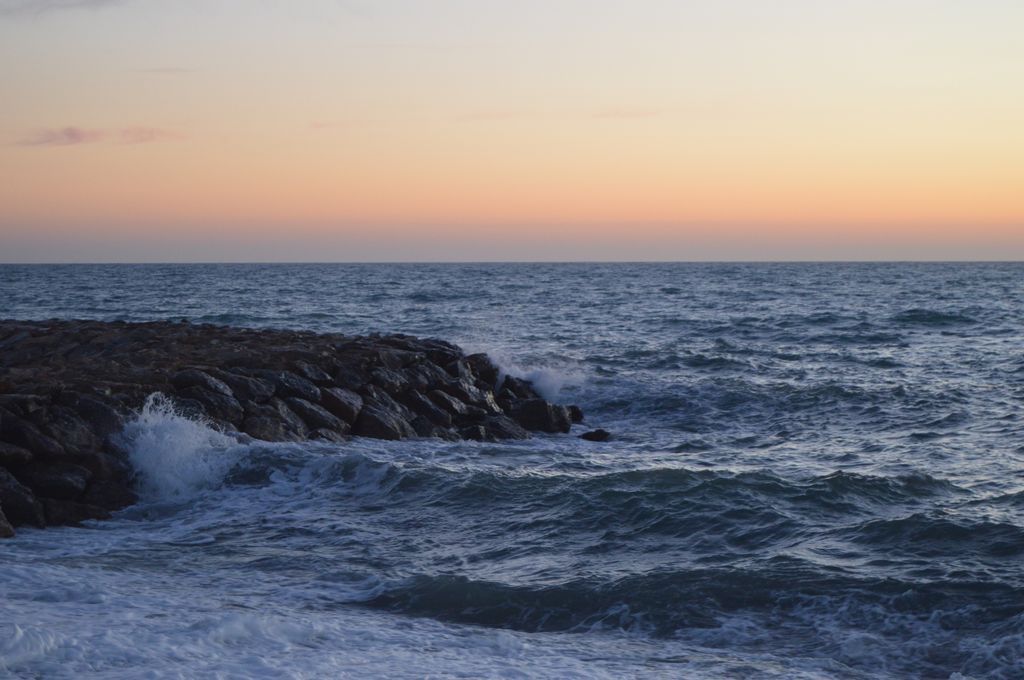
(817, 471)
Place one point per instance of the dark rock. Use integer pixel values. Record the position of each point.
(313, 374)
(327, 435)
(64, 512)
(244, 387)
(389, 380)
(503, 427)
(19, 503)
(460, 370)
(447, 402)
(575, 413)
(419, 404)
(65, 426)
(519, 388)
(484, 369)
(287, 384)
(423, 427)
(188, 408)
(13, 456)
(65, 481)
(316, 417)
(6, 530)
(26, 435)
(541, 416)
(597, 435)
(273, 422)
(101, 417)
(109, 495)
(477, 433)
(379, 423)
(193, 377)
(217, 405)
(342, 402)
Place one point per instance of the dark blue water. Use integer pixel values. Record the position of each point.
(818, 471)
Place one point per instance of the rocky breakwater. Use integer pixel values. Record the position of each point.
(68, 387)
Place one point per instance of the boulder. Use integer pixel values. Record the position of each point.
(109, 495)
(342, 402)
(64, 512)
(244, 387)
(19, 503)
(539, 415)
(484, 369)
(598, 435)
(519, 388)
(287, 384)
(6, 530)
(419, 404)
(312, 373)
(389, 380)
(103, 419)
(13, 456)
(193, 377)
(381, 423)
(575, 413)
(216, 404)
(503, 427)
(64, 425)
(316, 417)
(22, 433)
(65, 481)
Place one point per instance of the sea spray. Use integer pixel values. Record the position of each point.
(176, 456)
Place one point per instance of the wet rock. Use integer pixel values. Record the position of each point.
(316, 417)
(246, 388)
(193, 377)
(341, 402)
(313, 374)
(519, 388)
(484, 369)
(13, 456)
(327, 435)
(65, 426)
(102, 418)
(598, 435)
(19, 503)
(287, 384)
(58, 480)
(541, 416)
(390, 381)
(64, 512)
(477, 433)
(6, 530)
(381, 423)
(575, 413)
(217, 405)
(273, 422)
(22, 433)
(503, 427)
(109, 495)
(419, 404)
(448, 403)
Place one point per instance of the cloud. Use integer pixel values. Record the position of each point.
(74, 136)
(66, 136)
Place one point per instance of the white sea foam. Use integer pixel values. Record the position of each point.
(175, 456)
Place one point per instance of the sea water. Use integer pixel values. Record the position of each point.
(817, 471)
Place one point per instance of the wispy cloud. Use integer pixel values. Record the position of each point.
(74, 136)
(36, 7)
(66, 136)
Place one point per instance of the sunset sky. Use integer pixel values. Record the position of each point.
(389, 130)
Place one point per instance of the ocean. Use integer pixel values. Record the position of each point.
(817, 471)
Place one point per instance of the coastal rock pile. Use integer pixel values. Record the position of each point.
(67, 388)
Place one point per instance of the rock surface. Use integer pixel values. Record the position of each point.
(67, 388)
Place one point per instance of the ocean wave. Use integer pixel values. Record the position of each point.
(931, 317)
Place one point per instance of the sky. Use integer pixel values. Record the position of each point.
(480, 130)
